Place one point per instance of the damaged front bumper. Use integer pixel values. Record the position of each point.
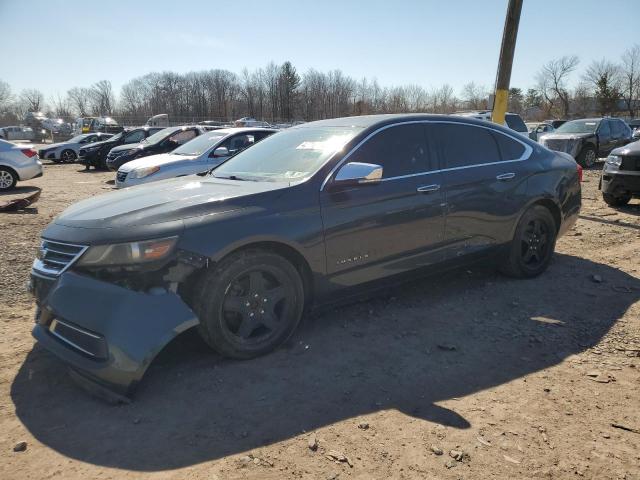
(107, 333)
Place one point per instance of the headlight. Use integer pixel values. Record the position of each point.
(128, 253)
(615, 160)
(143, 172)
(91, 149)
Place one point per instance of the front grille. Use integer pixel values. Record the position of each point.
(41, 153)
(630, 163)
(55, 257)
(121, 176)
(79, 339)
(557, 145)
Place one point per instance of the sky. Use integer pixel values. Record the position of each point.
(53, 45)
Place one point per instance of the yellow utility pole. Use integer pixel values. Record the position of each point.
(501, 97)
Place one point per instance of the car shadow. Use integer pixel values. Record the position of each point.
(407, 349)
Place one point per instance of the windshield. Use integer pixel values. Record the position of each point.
(200, 144)
(161, 135)
(77, 138)
(290, 155)
(117, 136)
(578, 126)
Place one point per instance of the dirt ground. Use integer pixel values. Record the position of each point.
(517, 379)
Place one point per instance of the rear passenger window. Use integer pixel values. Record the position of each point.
(400, 150)
(509, 148)
(465, 145)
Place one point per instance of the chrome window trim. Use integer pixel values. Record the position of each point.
(528, 150)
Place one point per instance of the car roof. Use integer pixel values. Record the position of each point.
(231, 130)
(372, 121)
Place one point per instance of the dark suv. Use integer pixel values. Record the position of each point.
(299, 219)
(163, 141)
(620, 180)
(95, 155)
(588, 139)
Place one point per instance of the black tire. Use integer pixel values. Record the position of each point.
(8, 179)
(249, 304)
(587, 156)
(614, 201)
(68, 156)
(533, 244)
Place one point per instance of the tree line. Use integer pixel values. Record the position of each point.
(279, 93)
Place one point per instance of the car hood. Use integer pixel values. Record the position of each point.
(155, 161)
(129, 146)
(60, 145)
(100, 144)
(165, 201)
(629, 149)
(566, 136)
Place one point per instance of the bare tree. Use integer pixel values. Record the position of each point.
(630, 79)
(31, 99)
(603, 76)
(102, 98)
(475, 96)
(61, 106)
(552, 80)
(79, 100)
(5, 95)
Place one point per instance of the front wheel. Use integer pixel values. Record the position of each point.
(587, 157)
(249, 304)
(8, 179)
(68, 156)
(533, 243)
(614, 201)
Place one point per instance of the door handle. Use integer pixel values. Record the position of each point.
(505, 176)
(429, 188)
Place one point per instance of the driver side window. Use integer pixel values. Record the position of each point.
(604, 129)
(183, 137)
(238, 143)
(134, 137)
(399, 150)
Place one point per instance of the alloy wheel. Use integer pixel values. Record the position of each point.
(68, 156)
(534, 243)
(6, 180)
(255, 304)
(590, 158)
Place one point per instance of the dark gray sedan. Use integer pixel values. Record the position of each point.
(300, 219)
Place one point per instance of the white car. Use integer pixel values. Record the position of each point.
(67, 152)
(17, 163)
(17, 133)
(204, 152)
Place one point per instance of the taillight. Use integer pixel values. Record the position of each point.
(29, 152)
(579, 172)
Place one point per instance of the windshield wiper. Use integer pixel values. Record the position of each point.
(231, 177)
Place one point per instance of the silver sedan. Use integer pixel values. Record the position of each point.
(196, 156)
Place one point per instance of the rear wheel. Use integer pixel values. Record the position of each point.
(8, 179)
(68, 156)
(587, 157)
(533, 243)
(616, 201)
(250, 304)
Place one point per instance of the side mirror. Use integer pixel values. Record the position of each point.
(356, 173)
(220, 152)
